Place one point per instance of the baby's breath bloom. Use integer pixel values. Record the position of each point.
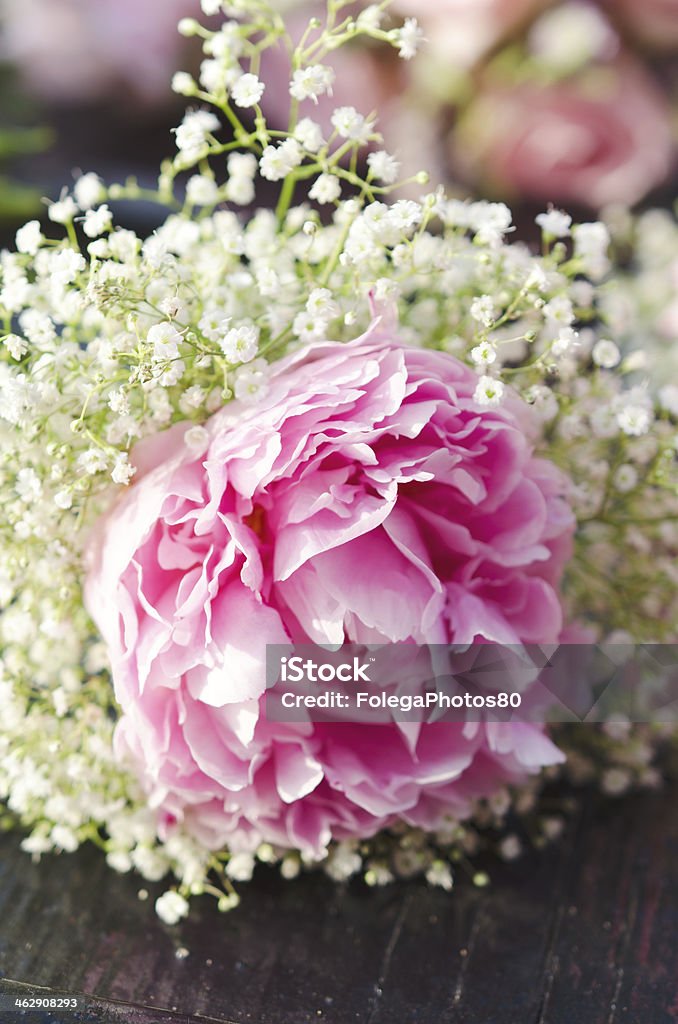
(309, 134)
(29, 238)
(88, 191)
(408, 38)
(383, 166)
(312, 82)
(183, 83)
(554, 223)
(489, 391)
(606, 354)
(247, 91)
(63, 211)
(277, 161)
(240, 344)
(250, 381)
(325, 189)
(165, 340)
(97, 222)
(349, 124)
(202, 190)
(171, 906)
(194, 131)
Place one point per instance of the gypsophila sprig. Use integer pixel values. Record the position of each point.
(109, 338)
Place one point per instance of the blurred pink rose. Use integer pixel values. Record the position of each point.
(652, 22)
(463, 30)
(603, 136)
(77, 49)
(367, 497)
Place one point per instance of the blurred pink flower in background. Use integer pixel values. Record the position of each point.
(83, 49)
(602, 136)
(366, 497)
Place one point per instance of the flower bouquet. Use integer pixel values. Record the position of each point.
(355, 420)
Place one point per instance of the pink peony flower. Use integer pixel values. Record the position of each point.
(366, 497)
(601, 137)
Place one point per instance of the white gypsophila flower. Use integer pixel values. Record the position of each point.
(240, 867)
(183, 83)
(240, 344)
(119, 860)
(308, 133)
(215, 77)
(559, 311)
(242, 165)
(88, 191)
(171, 907)
(165, 340)
(290, 866)
(404, 215)
(63, 499)
(489, 221)
(211, 7)
(591, 244)
(240, 191)
(251, 381)
(28, 485)
(343, 862)
(312, 82)
(308, 327)
(554, 223)
(349, 124)
(277, 161)
(482, 310)
(489, 391)
(193, 132)
(484, 354)
(571, 36)
(383, 166)
(440, 875)
(64, 838)
(173, 307)
(63, 211)
(510, 848)
(325, 189)
(97, 222)
(196, 438)
(29, 238)
(321, 304)
(123, 245)
(15, 345)
(193, 398)
(65, 266)
(626, 478)
(668, 398)
(242, 168)
(564, 342)
(370, 18)
(247, 91)
(122, 471)
(606, 354)
(408, 38)
(634, 420)
(202, 190)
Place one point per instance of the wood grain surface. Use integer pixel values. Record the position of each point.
(582, 933)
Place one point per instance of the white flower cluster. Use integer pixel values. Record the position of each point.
(108, 337)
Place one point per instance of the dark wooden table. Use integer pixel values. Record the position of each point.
(582, 933)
